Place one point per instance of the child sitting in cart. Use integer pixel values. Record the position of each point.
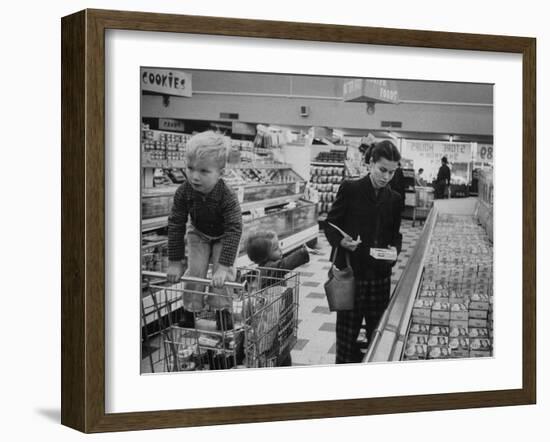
(215, 227)
(262, 247)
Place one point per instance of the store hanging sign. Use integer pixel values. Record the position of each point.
(167, 81)
(371, 90)
(171, 124)
(239, 128)
(427, 155)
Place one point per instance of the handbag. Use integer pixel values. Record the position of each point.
(340, 287)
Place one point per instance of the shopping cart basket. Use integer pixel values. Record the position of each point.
(270, 316)
(205, 339)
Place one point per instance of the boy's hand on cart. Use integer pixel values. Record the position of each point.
(175, 271)
(219, 276)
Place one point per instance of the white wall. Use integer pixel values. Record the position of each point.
(30, 80)
(332, 113)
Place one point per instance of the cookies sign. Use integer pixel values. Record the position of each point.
(166, 81)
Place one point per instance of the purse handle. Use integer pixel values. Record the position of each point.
(333, 260)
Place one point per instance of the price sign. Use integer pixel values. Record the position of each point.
(485, 153)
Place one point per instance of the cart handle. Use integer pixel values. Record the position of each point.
(228, 284)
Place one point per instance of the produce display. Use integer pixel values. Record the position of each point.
(452, 315)
(326, 180)
(243, 176)
(158, 145)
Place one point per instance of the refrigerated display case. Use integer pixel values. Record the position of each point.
(485, 199)
(442, 306)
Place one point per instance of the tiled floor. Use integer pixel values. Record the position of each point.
(317, 325)
(316, 331)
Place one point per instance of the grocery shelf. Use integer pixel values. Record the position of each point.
(154, 223)
(324, 163)
(245, 165)
(180, 164)
(246, 207)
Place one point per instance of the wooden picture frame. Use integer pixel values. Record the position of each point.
(83, 220)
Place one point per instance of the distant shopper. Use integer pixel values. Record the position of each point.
(263, 249)
(443, 180)
(419, 179)
(368, 211)
(397, 183)
(215, 227)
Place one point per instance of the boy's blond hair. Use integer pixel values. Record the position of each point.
(208, 144)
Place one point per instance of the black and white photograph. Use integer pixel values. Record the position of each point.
(299, 220)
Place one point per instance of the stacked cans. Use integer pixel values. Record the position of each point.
(326, 180)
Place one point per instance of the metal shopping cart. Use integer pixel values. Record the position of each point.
(195, 338)
(257, 326)
(271, 317)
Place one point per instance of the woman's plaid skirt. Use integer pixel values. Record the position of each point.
(371, 300)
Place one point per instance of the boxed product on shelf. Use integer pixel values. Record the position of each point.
(437, 330)
(439, 341)
(478, 332)
(427, 294)
(422, 308)
(441, 310)
(460, 347)
(477, 323)
(478, 314)
(415, 339)
(459, 311)
(442, 296)
(480, 347)
(455, 323)
(442, 322)
(420, 329)
(415, 352)
(421, 320)
(458, 332)
(479, 301)
(439, 352)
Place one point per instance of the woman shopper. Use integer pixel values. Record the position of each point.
(368, 211)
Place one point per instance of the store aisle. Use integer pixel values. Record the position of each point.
(317, 325)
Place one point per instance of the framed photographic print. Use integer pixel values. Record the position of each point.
(215, 171)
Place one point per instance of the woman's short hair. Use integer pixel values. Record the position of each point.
(258, 245)
(208, 144)
(444, 160)
(383, 149)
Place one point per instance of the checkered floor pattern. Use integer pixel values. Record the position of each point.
(317, 325)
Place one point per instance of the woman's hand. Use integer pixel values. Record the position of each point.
(349, 243)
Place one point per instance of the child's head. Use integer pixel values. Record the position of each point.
(205, 156)
(263, 246)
